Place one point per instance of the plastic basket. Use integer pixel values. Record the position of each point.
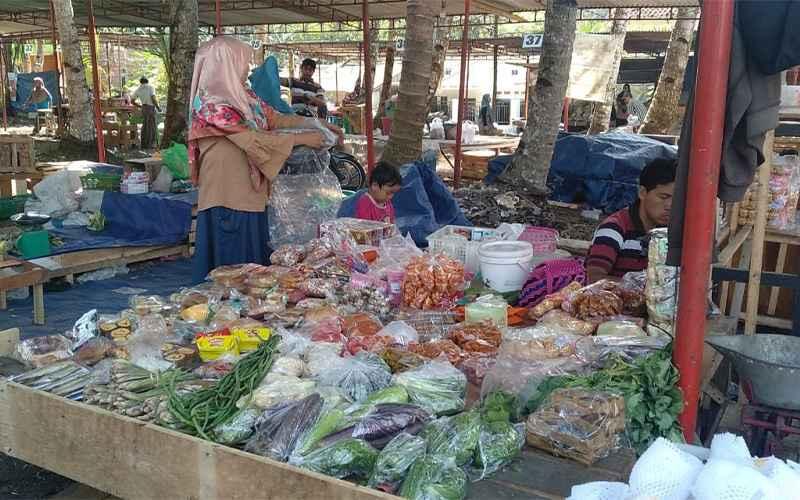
(101, 182)
(12, 205)
(462, 243)
(550, 277)
(543, 239)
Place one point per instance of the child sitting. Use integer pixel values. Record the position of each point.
(376, 203)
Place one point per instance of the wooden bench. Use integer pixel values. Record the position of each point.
(18, 274)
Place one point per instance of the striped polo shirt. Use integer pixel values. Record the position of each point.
(617, 246)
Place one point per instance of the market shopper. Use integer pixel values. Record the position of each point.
(145, 97)
(306, 93)
(40, 98)
(617, 246)
(235, 155)
(376, 203)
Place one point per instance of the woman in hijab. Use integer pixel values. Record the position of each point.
(40, 97)
(486, 117)
(235, 155)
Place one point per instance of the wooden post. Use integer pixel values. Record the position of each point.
(759, 231)
(336, 76)
(494, 79)
(4, 84)
(108, 64)
(218, 19)
(368, 87)
(59, 72)
(98, 115)
(462, 91)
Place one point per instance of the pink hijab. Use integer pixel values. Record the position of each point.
(221, 104)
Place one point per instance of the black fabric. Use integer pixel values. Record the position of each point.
(752, 107)
(771, 37)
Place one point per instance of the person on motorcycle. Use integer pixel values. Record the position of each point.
(307, 95)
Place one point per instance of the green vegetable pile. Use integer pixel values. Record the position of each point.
(201, 411)
(434, 478)
(454, 437)
(648, 384)
(438, 387)
(395, 460)
(348, 458)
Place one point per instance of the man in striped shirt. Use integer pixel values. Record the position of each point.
(618, 247)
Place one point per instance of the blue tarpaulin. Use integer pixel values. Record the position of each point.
(601, 171)
(25, 85)
(423, 205)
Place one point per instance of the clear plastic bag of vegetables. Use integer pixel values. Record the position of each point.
(279, 427)
(499, 443)
(436, 386)
(328, 423)
(239, 429)
(383, 423)
(358, 376)
(455, 437)
(391, 394)
(434, 478)
(394, 461)
(348, 458)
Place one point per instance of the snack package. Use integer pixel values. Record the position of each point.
(579, 424)
(94, 350)
(319, 287)
(400, 360)
(632, 291)
(439, 349)
(43, 351)
(598, 300)
(661, 291)
(233, 276)
(361, 325)
(357, 377)
(318, 249)
(288, 255)
(432, 282)
(145, 305)
(400, 332)
(430, 325)
(483, 338)
(394, 461)
(364, 232)
(562, 321)
(436, 386)
(553, 301)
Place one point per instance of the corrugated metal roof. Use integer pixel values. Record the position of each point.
(28, 15)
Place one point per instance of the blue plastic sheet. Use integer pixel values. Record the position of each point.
(601, 171)
(266, 83)
(423, 204)
(25, 86)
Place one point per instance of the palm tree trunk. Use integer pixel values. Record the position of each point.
(441, 42)
(386, 85)
(182, 47)
(405, 142)
(664, 112)
(601, 117)
(531, 161)
(80, 107)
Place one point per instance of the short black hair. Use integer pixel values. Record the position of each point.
(309, 62)
(385, 174)
(143, 80)
(658, 173)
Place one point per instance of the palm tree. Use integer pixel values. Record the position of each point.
(531, 161)
(664, 112)
(180, 65)
(441, 42)
(386, 85)
(405, 141)
(80, 107)
(601, 116)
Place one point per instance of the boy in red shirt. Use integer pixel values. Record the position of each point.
(376, 203)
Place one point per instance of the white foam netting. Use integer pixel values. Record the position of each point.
(726, 480)
(664, 472)
(599, 490)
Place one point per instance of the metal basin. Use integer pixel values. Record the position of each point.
(768, 367)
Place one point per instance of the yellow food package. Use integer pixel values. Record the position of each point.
(251, 337)
(212, 347)
(197, 312)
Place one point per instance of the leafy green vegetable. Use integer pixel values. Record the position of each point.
(500, 406)
(434, 478)
(391, 394)
(648, 384)
(455, 437)
(395, 460)
(437, 387)
(327, 424)
(348, 458)
(237, 430)
(498, 444)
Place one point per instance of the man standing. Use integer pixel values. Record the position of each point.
(306, 93)
(145, 96)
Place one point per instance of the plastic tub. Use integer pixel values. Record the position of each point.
(250, 338)
(215, 346)
(505, 265)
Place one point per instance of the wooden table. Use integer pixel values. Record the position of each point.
(19, 273)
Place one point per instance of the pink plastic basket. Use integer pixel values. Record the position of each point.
(543, 239)
(550, 277)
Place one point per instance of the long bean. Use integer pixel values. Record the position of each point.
(201, 411)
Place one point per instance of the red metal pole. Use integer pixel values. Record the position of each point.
(565, 114)
(368, 87)
(462, 104)
(98, 115)
(218, 11)
(710, 95)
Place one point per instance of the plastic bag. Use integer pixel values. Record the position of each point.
(438, 387)
(432, 282)
(57, 193)
(84, 329)
(288, 367)
(437, 129)
(454, 437)
(430, 325)
(348, 458)
(598, 300)
(176, 159)
(599, 490)
(394, 461)
(94, 350)
(498, 444)
(305, 194)
(358, 376)
(215, 370)
(483, 338)
(566, 323)
(238, 429)
(579, 424)
(444, 349)
(434, 478)
(400, 360)
(620, 329)
(276, 436)
(553, 301)
(145, 305)
(386, 420)
(476, 367)
(278, 389)
(392, 394)
(43, 351)
(145, 344)
(661, 291)
(400, 332)
(360, 324)
(288, 255)
(320, 356)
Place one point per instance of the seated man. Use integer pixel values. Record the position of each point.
(306, 93)
(617, 247)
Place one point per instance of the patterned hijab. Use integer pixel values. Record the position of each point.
(221, 103)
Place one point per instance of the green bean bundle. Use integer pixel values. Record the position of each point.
(201, 411)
